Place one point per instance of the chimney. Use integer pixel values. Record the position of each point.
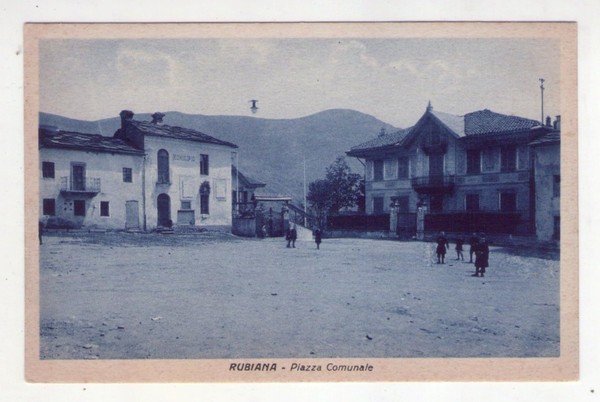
(125, 116)
(557, 123)
(548, 121)
(382, 132)
(157, 118)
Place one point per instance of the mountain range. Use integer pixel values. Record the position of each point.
(274, 151)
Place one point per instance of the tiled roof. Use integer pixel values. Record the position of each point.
(482, 122)
(487, 122)
(384, 140)
(180, 133)
(249, 180)
(85, 142)
(453, 122)
(549, 138)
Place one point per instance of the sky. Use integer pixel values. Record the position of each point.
(390, 79)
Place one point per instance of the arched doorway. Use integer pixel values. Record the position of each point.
(163, 206)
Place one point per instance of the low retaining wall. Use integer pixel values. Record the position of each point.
(245, 227)
(360, 234)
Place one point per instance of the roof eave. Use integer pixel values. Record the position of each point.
(92, 149)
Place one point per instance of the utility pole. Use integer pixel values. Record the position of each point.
(542, 89)
(304, 164)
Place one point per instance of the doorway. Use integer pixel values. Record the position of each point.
(163, 206)
(132, 216)
(78, 177)
(436, 165)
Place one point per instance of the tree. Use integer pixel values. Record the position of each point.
(340, 189)
(319, 198)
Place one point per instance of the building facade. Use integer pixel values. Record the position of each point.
(546, 151)
(469, 173)
(149, 175)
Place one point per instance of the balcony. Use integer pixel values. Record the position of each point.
(89, 185)
(433, 184)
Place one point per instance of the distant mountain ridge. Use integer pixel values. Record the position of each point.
(270, 150)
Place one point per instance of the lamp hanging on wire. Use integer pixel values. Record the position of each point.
(253, 108)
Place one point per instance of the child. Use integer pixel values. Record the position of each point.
(318, 236)
(442, 245)
(459, 249)
(291, 236)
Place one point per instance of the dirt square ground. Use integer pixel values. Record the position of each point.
(212, 295)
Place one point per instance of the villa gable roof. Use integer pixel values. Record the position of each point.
(381, 141)
(480, 123)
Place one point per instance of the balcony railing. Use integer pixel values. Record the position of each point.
(89, 185)
(433, 184)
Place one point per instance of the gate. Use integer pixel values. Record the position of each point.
(407, 223)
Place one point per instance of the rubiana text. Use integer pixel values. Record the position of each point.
(253, 367)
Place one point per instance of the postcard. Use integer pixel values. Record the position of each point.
(301, 202)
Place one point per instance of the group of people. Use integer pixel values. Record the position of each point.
(478, 245)
(291, 235)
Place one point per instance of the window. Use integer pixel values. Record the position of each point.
(389, 169)
(79, 207)
(48, 170)
(104, 208)
(127, 176)
(556, 233)
(378, 170)
(163, 167)
(488, 157)
(508, 202)
(203, 164)
(49, 206)
(556, 186)
(186, 205)
(403, 167)
(377, 205)
(472, 202)
(473, 161)
(508, 159)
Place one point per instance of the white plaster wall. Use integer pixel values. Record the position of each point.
(106, 166)
(546, 205)
(184, 164)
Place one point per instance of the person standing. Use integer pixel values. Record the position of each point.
(263, 231)
(473, 240)
(459, 249)
(442, 245)
(318, 236)
(482, 254)
(291, 235)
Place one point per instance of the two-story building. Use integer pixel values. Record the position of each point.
(147, 175)
(89, 180)
(471, 172)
